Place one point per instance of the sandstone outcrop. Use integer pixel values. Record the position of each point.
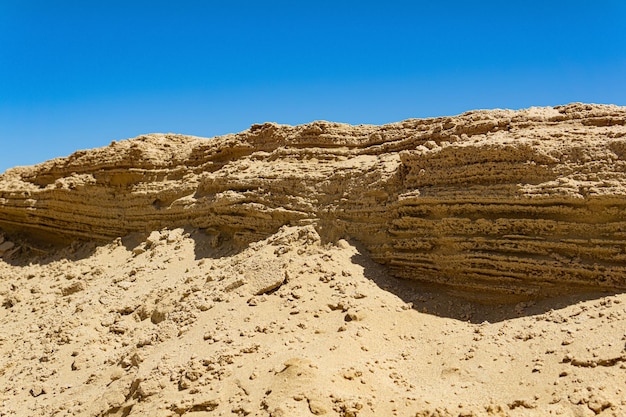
(504, 202)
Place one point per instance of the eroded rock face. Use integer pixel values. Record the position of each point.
(504, 201)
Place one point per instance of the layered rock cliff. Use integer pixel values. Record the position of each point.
(489, 201)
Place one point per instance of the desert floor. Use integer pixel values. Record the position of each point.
(174, 323)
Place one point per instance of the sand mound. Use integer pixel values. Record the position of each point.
(262, 273)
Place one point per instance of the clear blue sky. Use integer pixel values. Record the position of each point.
(79, 74)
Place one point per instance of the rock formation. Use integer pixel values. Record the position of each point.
(488, 202)
(173, 276)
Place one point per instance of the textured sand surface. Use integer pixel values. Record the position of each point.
(461, 266)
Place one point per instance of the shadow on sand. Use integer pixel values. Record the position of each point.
(423, 296)
(43, 250)
(443, 301)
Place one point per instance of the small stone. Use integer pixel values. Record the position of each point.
(37, 390)
(77, 365)
(353, 317)
(342, 244)
(125, 285)
(154, 239)
(136, 359)
(159, 314)
(116, 374)
(118, 328)
(316, 407)
(10, 301)
(73, 288)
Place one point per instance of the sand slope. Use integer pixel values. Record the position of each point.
(289, 327)
(262, 273)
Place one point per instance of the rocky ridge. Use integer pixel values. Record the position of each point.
(506, 202)
(174, 276)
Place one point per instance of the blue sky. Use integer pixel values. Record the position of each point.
(79, 74)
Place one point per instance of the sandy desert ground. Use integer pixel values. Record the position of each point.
(225, 296)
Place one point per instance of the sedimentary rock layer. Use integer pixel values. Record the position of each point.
(505, 201)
